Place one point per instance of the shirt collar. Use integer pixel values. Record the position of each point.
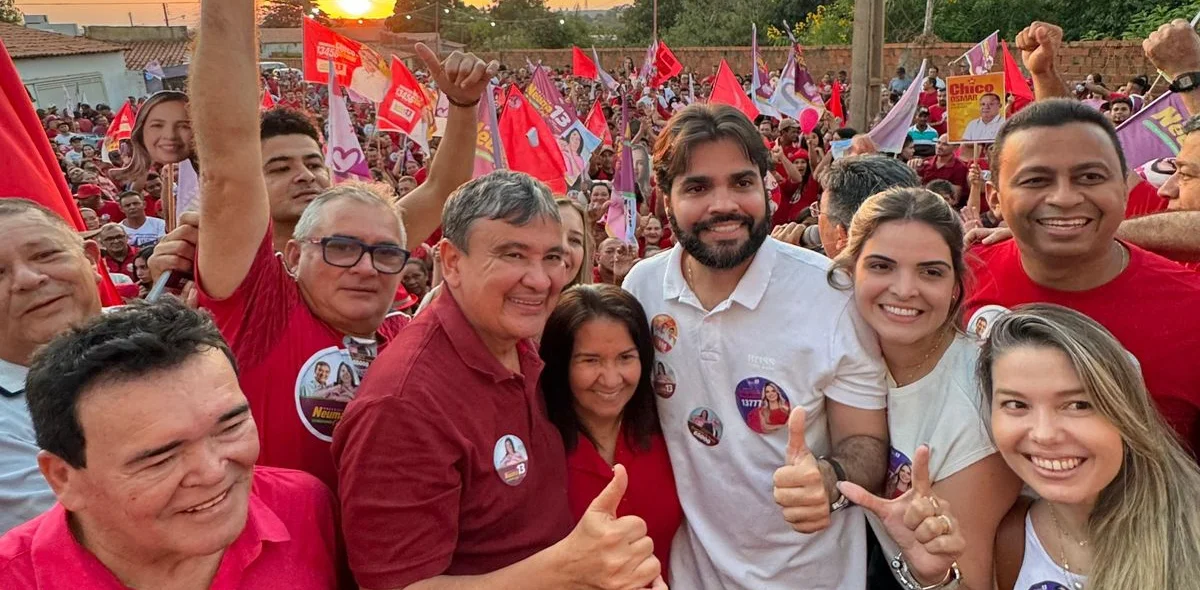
(470, 347)
(750, 289)
(12, 378)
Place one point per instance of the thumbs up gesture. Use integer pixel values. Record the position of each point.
(799, 484)
(918, 521)
(611, 553)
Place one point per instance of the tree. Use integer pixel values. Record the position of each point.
(285, 14)
(9, 13)
(717, 22)
(638, 20)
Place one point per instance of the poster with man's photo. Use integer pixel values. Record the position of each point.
(975, 107)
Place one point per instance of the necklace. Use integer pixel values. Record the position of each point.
(912, 370)
(1062, 546)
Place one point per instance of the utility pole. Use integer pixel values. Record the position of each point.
(166, 17)
(437, 29)
(928, 28)
(866, 62)
(131, 19)
(654, 33)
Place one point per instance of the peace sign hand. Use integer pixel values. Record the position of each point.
(918, 521)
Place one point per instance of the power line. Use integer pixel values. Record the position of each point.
(76, 4)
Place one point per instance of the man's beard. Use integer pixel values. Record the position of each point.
(720, 257)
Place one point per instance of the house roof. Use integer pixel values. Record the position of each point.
(168, 53)
(24, 42)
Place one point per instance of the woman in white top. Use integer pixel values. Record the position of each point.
(905, 258)
(1119, 498)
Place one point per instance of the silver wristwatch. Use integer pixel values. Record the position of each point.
(908, 582)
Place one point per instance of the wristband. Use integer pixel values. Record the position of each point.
(840, 475)
(461, 105)
(908, 582)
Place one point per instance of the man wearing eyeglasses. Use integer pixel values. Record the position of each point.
(322, 315)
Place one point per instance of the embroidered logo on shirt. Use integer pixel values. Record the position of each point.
(511, 459)
(704, 424)
(663, 380)
(899, 475)
(665, 332)
(763, 404)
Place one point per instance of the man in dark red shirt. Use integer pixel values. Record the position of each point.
(450, 471)
(118, 252)
(944, 165)
(1061, 186)
(92, 197)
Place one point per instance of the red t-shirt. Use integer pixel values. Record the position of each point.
(956, 172)
(295, 370)
(936, 112)
(651, 494)
(1150, 308)
(125, 267)
(447, 461)
(928, 100)
(1144, 200)
(289, 543)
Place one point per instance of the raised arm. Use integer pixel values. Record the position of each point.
(1175, 49)
(1039, 44)
(1171, 233)
(224, 103)
(464, 78)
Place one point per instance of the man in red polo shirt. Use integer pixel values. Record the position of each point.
(92, 197)
(156, 485)
(451, 474)
(118, 252)
(945, 165)
(1060, 185)
(305, 327)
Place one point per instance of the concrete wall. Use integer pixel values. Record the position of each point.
(1116, 60)
(111, 83)
(132, 34)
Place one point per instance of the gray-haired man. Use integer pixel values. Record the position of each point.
(451, 474)
(848, 182)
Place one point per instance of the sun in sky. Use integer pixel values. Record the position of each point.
(358, 8)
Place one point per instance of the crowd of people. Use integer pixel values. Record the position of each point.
(948, 367)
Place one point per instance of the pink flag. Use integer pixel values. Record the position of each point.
(760, 78)
(621, 219)
(548, 101)
(343, 155)
(889, 134)
(489, 155)
(605, 78)
(982, 56)
(1156, 131)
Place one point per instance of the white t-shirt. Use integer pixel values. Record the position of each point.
(1038, 570)
(783, 328)
(150, 232)
(977, 130)
(943, 410)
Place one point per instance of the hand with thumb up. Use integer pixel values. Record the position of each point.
(918, 521)
(800, 485)
(610, 553)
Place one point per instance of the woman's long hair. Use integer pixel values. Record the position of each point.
(577, 306)
(140, 163)
(584, 274)
(1145, 526)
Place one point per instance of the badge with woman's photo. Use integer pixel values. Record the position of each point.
(325, 384)
(664, 331)
(1047, 586)
(663, 380)
(510, 459)
(704, 424)
(362, 352)
(899, 475)
(763, 404)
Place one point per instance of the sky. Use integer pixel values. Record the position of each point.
(186, 12)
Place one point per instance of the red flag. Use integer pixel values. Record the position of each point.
(402, 105)
(29, 168)
(726, 90)
(528, 144)
(598, 125)
(358, 67)
(835, 104)
(268, 101)
(582, 66)
(120, 128)
(1015, 82)
(665, 65)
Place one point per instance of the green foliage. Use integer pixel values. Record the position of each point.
(638, 20)
(518, 24)
(716, 22)
(283, 14)
(829, 24)
(1151, 17)
(9, 13)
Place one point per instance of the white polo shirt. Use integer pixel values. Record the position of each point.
(783, 334)
(24, 493)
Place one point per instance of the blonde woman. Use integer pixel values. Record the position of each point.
(1117, 503)
(579, 242)
(904, 262)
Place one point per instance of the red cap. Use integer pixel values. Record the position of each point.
(797, 153)
(403, 299)
(88, 190)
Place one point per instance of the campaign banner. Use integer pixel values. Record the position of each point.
(402, 106)
(760, 78)
(545, 97)
(891, 132)
(982, 56)
(1156, 131)
(975, 107)
(357, 66)
(489, 156)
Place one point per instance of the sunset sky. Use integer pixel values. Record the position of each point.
(186, 12)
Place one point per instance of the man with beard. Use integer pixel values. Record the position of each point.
(724, 302)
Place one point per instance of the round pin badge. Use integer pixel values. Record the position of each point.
(325, 384)
(763, 404)
(899, 475)
(663, 380)
(664, 331)
(981, 321)
(1047, 586)
(510, 459)
(704, 424)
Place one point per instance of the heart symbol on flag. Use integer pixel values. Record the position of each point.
(345, 160)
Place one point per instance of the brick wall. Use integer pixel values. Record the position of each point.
(1117, 61)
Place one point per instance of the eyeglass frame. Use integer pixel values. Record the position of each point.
(364, 249)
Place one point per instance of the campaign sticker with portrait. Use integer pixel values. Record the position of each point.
(663, 380)
(899, 475)
(705, 426)
(325, 384)
(511, 459)
(975, 107)
(763, 404)
(664, 331)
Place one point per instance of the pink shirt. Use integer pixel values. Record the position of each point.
(288, 544)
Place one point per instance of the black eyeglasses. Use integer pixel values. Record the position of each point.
(344, 252)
